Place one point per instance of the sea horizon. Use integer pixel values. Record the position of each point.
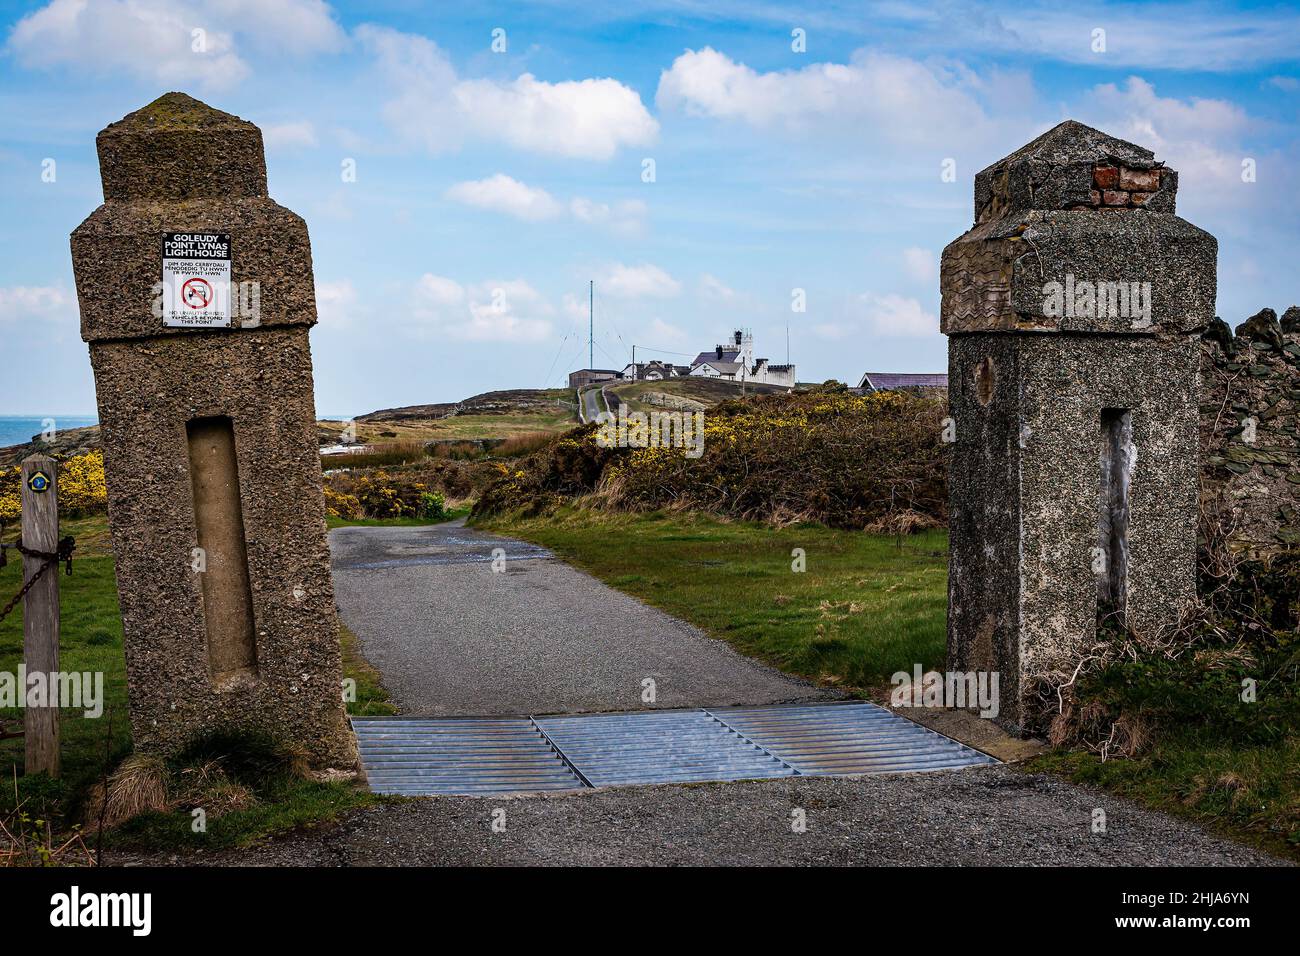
(19, 429)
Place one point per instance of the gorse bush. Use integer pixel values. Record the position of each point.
(11, 507)
(82, 490)
(81, 486)
(412, 491)
(432, 506)
(382, 497)
(342, 505)
(874, 461)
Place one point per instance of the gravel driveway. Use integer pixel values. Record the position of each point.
(989, 816)
(453, 637)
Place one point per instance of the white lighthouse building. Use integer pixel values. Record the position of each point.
(735, 361)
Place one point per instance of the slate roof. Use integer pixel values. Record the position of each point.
(880, 381)
(711, 356)
(723, 368)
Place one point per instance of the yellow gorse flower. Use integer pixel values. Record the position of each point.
(82, 489)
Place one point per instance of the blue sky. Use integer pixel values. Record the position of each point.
(490, 186)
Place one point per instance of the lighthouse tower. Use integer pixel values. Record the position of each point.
(743, 340)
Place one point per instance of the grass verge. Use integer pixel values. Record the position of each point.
(1249, 793)
(865, 607)
(90, 640)
(372, 698)
(272, 799)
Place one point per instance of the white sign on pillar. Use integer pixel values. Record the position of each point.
(196, 280)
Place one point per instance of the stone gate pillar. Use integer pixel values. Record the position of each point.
(1073, 308)
(196, 298)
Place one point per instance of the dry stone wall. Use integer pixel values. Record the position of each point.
(1250, 433)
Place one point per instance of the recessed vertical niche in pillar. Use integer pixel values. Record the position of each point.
(219, 520)
(1113, 512)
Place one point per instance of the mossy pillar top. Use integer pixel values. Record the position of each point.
(178, 148)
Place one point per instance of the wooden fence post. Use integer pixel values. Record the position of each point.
(41, 610)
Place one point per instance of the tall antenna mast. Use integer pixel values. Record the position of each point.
(591, 321)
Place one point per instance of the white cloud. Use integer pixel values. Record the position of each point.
(709, 83)
(1145, 113)
(156, 40)
(439, 291)
(22, 303)
(626, 218)
(504, 194)
(711, 287)
(666, 332)
(1181, 36)
(501, 193)
(1170, 34)
(896, 316)
(645, 281)
(919, 264)
(495, 311)
(1201, 138)
(893, 97)
(297, 135)
(573, 307)
(298, 27)
(336, 303)
(586, 119)
(424, 111)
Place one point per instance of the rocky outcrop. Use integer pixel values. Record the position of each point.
(676, 402)
(65, 443)
(1264, 328)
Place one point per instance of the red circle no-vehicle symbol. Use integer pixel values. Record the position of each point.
(196, 293)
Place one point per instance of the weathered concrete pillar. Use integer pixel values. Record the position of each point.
(196, 297)
(1072, 308)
